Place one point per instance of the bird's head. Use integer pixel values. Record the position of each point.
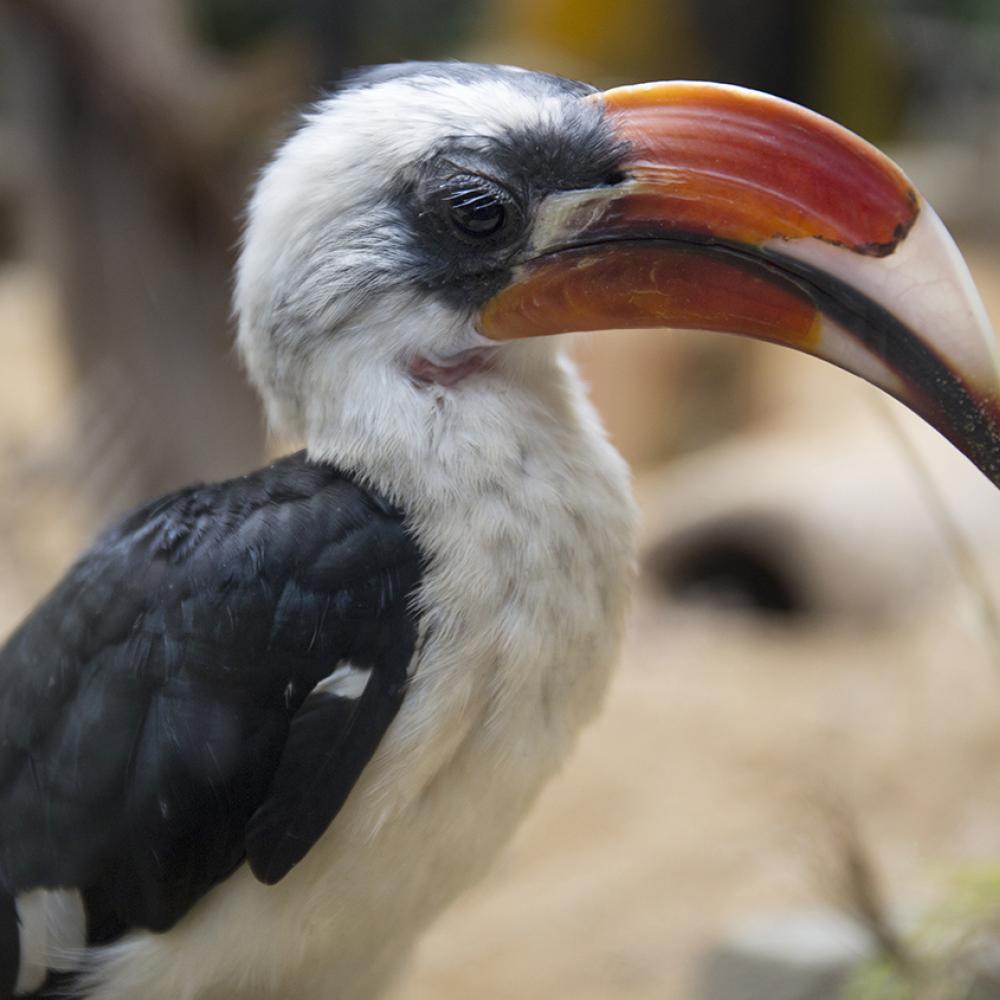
(430, 221)
(390, 218)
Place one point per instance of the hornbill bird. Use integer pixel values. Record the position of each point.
(264, 730)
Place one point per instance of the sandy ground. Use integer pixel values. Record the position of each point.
(696, 797)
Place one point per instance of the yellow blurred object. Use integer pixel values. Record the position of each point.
(855, 75)
(627, 40)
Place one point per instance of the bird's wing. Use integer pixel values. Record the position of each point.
(333, 735)
(205, 684)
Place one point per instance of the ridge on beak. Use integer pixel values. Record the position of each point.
(744, 213)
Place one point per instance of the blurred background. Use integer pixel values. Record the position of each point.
(794, 792)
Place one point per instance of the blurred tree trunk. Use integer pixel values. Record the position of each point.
(141, 146)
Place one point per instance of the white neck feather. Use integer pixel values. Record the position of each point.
(422, 445)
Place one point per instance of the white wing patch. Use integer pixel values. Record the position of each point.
(347, 681)
(53, 935)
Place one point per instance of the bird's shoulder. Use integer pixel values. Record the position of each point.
(249, 545)
(169, 687)
(320, 501)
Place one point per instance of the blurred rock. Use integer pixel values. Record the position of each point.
(806, 955)
(839, 504)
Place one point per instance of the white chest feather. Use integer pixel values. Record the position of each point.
(529, 534)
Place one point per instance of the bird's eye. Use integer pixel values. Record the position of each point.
(478, 208)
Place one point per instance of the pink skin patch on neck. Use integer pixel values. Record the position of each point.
(466, 364)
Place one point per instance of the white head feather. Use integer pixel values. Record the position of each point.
(326, 323)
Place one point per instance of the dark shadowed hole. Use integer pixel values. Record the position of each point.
(740, 572)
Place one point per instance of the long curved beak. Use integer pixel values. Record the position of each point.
(743, 213)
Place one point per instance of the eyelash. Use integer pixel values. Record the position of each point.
(479, 194)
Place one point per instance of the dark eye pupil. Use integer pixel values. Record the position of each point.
(478, 213)
(483, 218)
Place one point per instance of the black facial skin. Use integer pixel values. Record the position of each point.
(470, 205)
(509, 175)
(463, 200)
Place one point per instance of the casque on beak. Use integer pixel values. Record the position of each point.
(744, 213)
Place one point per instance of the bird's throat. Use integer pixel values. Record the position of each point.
(454, 370)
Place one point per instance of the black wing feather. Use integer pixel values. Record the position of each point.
(157, 699)
(316, 775)
(9, 946)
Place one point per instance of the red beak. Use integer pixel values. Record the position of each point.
(743, 213)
